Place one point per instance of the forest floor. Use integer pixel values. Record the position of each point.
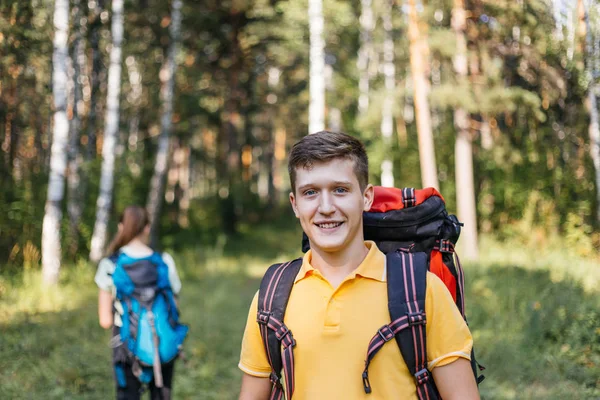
(535, 317)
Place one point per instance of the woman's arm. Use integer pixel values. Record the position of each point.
(105, 309)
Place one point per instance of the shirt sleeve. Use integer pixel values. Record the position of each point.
(253, 358)
(103, 276)
(173, 275)
(448, 337)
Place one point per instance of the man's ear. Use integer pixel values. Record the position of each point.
(293, 203)
(368, 196)
(120, 227)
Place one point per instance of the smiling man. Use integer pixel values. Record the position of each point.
(338, 297)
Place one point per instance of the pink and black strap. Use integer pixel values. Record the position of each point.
(407, 283)
(452, 261)
(278, 340)
(409, 198)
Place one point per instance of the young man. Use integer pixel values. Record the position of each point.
(339, 297)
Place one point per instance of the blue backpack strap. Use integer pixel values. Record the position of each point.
(407, 284)
(273, 297)
(114, 257)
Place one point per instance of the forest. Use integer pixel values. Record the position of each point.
(189, 108)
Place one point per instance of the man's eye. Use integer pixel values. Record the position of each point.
(341, 190)
(309, 192)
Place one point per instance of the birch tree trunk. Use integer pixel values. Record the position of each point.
(364, 54)
(465, 187)
(387, 118)
(134, 159)
(316, 108)
(51, 249)
(418, 49)
(74, 193)
(110, 135)
(592, 57)
(167, 79)
(135, 99)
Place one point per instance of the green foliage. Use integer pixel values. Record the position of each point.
(524, 84)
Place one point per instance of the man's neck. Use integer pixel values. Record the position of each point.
(336, 266)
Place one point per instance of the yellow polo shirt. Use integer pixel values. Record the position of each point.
(333, 327)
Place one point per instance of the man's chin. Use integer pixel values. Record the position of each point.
(327, 247)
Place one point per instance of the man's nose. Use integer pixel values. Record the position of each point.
(326, 204)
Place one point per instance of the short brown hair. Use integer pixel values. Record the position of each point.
(325, 146)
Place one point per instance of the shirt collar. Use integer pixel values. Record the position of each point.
(372, 267)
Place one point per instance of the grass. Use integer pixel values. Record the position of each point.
(534, 315)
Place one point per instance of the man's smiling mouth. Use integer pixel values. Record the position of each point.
(329, 225)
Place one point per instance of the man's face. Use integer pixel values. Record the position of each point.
(329, 204)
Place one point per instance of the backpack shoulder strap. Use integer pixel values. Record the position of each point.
(114, 257)
(407, 285)
(273, 297)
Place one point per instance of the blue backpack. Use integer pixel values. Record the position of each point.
(151, 334)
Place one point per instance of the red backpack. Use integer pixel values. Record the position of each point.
(414, 230)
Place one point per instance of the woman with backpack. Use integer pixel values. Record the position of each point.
(136, 298)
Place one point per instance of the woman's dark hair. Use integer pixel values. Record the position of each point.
(134, 220)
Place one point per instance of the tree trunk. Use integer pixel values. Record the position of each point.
(75, 192)
(387, 117)
(11, 137)
(418, 49)
(51, 250)
(167, 79)
(111, 130)
(266, 185)
(96, 65)
(278, 162)
(316, 108)
(592, 55)
(364, 54)
(184, 177)
(134, 158)
(594, 132)
(465, 187)
(135, 99)
(334, 115)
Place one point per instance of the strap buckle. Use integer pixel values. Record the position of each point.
(262, 317)
(417, 318)
(366, 383)
(282, 332)
(408, 197)
(281, 335)
(275, 379)
(386, 333)
(445, 246)
(422, 377)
